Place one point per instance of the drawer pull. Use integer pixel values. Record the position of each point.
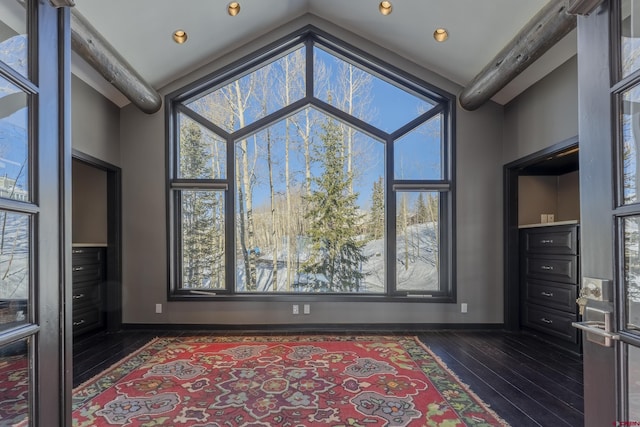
(78, 323)
(78, 268)
(547, 321)
(546, 241)
(77, 251)
(546, 267)
(78, 296)
(546, 294)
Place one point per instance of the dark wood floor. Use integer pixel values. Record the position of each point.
(527, 382)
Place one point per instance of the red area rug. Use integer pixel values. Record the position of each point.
(280, 381)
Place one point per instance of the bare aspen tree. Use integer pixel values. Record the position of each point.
(354, 98)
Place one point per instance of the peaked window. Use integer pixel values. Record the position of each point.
(311, 168)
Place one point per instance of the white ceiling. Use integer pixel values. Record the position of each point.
(140, 30)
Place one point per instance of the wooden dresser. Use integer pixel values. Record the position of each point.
(549, 282)
(89, 272)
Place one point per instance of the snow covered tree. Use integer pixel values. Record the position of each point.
(336, 253)
(377, 210)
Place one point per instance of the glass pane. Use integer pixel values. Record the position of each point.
(14, 384)
(14, 269)
(203, 154)
(630, 123)
(249, 98)
(13, 36)
(202, 239)
(632, 272)
(417, 241)
(361, 94)
(306, 188)
(14, 142)
(418, 154)
(630, 37)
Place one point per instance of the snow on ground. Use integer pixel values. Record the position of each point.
(415, 265)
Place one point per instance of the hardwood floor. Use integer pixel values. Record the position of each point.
(526, 381)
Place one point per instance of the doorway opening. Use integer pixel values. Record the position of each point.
(96, 245)
(527, 182)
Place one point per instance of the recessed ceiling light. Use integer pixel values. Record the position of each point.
(440, 34)
(180, 36)
(233, 8)
(385, 7)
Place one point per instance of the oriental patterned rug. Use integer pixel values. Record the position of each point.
(14, 391)
(314, 380)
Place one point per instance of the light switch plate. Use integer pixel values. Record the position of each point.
(596, 289)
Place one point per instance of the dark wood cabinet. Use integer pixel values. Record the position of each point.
(550, 281)
(88, 267)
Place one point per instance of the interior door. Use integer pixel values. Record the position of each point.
(32, 136)
(609, 126)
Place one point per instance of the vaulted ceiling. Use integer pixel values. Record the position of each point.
(141, 30)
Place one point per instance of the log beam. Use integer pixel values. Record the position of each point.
(543, 31)
(98, 52)
(62, 3)
(583, 7)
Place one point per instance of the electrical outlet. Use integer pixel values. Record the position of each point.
(306, 309)
(295, 309)
(158, 308)
(463, 307)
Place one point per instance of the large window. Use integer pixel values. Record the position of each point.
(310, 168)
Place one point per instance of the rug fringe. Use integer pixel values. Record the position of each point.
(464, 385)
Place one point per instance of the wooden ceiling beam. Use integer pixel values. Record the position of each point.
(62, 3)
(543, 31)
(98, 52)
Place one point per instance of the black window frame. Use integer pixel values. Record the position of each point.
(310, 36)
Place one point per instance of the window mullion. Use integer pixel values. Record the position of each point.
(199, 184)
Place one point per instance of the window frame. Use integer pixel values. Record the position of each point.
(310, 36)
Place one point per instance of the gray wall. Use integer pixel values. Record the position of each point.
(543, 115)
(95, 123)
(478, 221)
(536, 195)
(89, 212)
(558, 195)
(569, 196)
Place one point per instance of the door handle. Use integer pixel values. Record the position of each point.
(596, 328)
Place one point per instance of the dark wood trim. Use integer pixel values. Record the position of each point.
(64, 58)
(113, 304)
(511, 172)
(45, 165)
(321, 327)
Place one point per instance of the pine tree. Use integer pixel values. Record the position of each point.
(201, 263)
(377, 210)
(337, 252)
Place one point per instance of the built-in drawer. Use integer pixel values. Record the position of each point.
(87, 320)
(85, 273)
(84, 256)
(552, 294)
(551, 322)
(557, 268)
(557, 239)
(86, 296)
